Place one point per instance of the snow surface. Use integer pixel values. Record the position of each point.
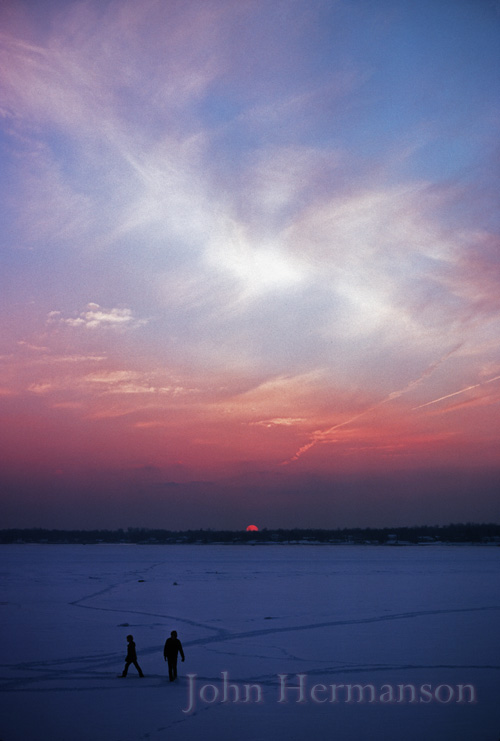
(337, 614)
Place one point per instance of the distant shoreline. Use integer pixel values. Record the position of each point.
(422, 535)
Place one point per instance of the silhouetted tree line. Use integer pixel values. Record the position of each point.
(422, 534)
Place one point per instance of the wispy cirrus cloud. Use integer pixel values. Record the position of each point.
(81, 381)
(279, 421)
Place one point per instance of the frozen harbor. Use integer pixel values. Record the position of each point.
(281, 642)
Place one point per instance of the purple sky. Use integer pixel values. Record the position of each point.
(250, 266)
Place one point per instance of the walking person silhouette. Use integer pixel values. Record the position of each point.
(173, 646)
(131, 658)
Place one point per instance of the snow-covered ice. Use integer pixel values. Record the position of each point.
(338, 615)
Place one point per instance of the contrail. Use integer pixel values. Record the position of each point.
(455, 393)
(320, 435)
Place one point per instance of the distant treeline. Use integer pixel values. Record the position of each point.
(423, 534)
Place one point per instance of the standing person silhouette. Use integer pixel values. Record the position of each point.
(173, 646)
(131, 657)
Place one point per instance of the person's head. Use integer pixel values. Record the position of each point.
(174, 634)
(130, 638)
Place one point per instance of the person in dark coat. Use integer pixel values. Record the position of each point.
(173, 646)
(131, 657)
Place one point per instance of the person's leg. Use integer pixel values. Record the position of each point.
(170, 669)
(174, 667)
(125, 668)
(138, 669)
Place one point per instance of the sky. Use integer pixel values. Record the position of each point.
(250, 264)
